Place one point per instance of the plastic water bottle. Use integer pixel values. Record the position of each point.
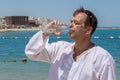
(56, 29)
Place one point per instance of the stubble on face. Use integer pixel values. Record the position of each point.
(77, 26)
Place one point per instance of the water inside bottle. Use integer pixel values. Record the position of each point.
(65, 29)
(57, 29)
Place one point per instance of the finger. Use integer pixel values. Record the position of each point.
(58, 33)
(58, 23)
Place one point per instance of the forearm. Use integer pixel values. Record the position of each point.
(36, 45)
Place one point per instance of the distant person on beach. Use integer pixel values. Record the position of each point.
(80, 60)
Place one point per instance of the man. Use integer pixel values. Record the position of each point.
(81, 60)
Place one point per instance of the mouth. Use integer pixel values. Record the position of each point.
(71, 31)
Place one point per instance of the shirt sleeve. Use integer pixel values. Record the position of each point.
(36, 49)
(108, 71)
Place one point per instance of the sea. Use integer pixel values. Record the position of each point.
(12, 46)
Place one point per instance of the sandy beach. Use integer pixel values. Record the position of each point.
(38, 28)
(13, 30)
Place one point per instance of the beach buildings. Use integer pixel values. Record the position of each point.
(22, 22)
(16, 20)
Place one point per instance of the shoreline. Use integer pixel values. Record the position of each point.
(14, 30)
(36, 29)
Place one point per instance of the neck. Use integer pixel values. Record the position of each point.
(81, 47)
(82, 44)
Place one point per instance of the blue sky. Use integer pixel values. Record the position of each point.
(107, 11)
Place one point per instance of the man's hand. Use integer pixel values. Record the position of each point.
(54, 28)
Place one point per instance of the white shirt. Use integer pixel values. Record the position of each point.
(95, 64)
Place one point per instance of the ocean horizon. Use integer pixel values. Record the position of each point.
(12, 45)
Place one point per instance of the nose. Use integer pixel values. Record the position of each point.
(71, 25)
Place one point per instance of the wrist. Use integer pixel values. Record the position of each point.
(44, 35)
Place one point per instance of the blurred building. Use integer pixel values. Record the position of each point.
(16, 20)
(22, 22)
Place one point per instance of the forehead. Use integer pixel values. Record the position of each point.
(80, 17)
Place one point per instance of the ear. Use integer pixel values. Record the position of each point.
(89, 30)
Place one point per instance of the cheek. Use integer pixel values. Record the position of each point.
(81, 30)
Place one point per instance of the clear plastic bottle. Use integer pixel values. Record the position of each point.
(56, 29)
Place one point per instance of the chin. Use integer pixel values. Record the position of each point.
(71, 36)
